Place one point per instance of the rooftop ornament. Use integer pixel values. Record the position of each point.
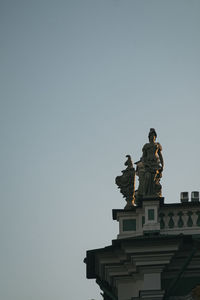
(126, 183)
(149, 170)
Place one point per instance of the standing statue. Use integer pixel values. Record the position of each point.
(149, 170)
(126, 183)
(153, 164)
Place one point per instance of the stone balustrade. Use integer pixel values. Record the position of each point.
(179, 220)
(156, 218)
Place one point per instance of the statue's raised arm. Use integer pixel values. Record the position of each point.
(161, 157)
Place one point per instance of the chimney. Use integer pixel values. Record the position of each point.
(195, 196)
(184, 197)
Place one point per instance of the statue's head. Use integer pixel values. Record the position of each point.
(152, 134)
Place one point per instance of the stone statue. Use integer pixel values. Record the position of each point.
(152, 164)
(149, 170)
(126, 183)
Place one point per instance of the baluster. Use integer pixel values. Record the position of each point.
(171, 221)
(180, 220)
(189, 222)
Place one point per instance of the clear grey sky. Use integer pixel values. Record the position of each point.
(82, 81)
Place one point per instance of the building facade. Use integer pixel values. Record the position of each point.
(157, 251)
(156, 254)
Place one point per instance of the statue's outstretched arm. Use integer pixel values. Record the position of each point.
(161, 159)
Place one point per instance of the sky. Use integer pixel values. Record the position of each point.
(82, 82)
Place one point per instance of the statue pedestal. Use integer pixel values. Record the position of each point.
(151, 207)
(139, 220)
